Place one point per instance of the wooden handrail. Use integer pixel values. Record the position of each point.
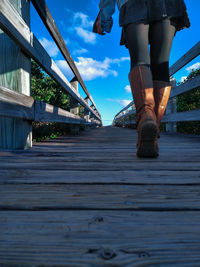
(125, 108)
(185, 59)
(45, 15)
(21, 34)
(17, 105)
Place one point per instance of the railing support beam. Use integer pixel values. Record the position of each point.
(74, 107)
(171, 127)
(15, 69)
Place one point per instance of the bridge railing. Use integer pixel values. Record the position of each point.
(15, 101)
(126, 116)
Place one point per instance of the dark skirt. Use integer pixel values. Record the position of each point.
(148, 11)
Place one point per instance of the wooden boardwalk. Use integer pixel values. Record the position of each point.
(89, 201)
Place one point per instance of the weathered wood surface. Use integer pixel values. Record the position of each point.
(99, 238)
(46, 112)
(18, 30)
(89, 201)
(16, 105)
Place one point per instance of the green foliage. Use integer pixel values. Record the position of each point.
(45, 89)
(81, 111)
(49, 130)
(189, 101)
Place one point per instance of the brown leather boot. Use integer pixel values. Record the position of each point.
(162, 91)
(142, 89)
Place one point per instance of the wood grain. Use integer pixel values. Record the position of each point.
(47, 112)
(63, 177)
(17, 105)
(106, 196)
(100, 238)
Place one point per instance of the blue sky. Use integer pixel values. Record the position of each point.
(102, 62)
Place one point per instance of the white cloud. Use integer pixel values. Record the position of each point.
(80, 51)
(183, 79)
(83, 20)
(118, 60)
(122, 102)
(87, 36)
(50, 46)
(81, 25)
(193, 67)
(128, 89)
(125, 58)
(90, 68)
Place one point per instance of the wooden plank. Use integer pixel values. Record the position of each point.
(191, 115)
(185, 87)
(50, 24)
(62, 177)
(100, 238)
(16, 105)
(97, 166)
(185, 59)
(99, 197)
(29, 43)
(99, 156)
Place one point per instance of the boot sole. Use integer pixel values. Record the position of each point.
(147, 142)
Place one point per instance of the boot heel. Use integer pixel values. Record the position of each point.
(147, 146)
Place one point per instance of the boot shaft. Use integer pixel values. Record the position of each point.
(140, 79)
(162, 91)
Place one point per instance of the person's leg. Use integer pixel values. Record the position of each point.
(137, 42)
(140, 78)
(161, 36)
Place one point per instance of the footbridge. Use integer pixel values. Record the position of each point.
(86, 199)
